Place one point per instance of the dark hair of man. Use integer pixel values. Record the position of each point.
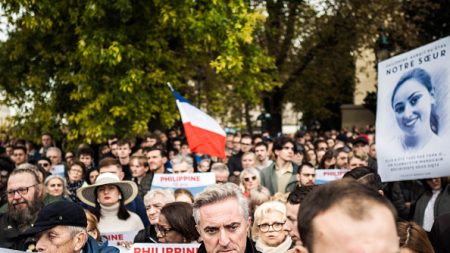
(87, 151)
(112, 137)
(180, 217)
(48, 134)
(20, 142)
(79, 163)
(256, 136)
(299, 194)
(246, 136)
(304, 164)
(340, 150)
(19, 147)
(156, 147)
(366, 176)
(358, 200)
(123, 142)
(280, 142)
(122, 214)
(151, 136)
(108, 161)
(316, 143)
(262, 144)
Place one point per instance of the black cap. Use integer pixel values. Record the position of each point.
(64, 213)
(360, 140)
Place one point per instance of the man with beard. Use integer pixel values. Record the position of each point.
(24, 203)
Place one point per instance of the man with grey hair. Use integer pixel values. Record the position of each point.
(221, 172)
(222, 218)
(182, 164)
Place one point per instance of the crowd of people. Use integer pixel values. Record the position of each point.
(265, 198)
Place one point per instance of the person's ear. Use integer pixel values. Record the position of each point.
(297, 176)
(276, 152)
(79, 241)
(197, 227)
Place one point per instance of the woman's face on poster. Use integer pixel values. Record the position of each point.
(412, 107)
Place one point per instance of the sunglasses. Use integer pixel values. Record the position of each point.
(247, 179)
(44, 164)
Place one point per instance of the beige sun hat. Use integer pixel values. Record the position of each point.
(87, 194)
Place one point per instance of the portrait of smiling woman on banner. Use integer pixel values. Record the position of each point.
(414, 105)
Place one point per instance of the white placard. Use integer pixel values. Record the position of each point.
(165, 248)
(324, 176)
(194, 182)
(413, 114)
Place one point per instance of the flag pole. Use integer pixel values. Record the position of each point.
(170, 86)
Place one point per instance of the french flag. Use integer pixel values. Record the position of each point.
(203, 133)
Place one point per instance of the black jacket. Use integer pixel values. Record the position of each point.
(440, 234)
(249, 248)
(10, 236)
(146, 235)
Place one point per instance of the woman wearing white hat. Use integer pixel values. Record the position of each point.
(109, 196)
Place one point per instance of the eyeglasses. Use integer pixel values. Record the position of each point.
(44, 164)
(247, 179)
(77, 171)
(22, 191)
(163, 231)
(277, 226)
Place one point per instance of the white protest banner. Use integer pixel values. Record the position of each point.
(165, 248)
(324, 176)
(413, 119)
(194, 182)
(120, 239)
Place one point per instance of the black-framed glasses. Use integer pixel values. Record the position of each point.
(22, 191)
(247, 179)
(276, 226)
(163, 231)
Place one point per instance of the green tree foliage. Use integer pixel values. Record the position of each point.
(315, 44)
(88, 69)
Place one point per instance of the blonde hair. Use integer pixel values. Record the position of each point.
(142, 160)
(264, 209)
(92, 224)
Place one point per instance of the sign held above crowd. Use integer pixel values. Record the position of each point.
(413, 114)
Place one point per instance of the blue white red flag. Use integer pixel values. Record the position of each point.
(203, 133)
